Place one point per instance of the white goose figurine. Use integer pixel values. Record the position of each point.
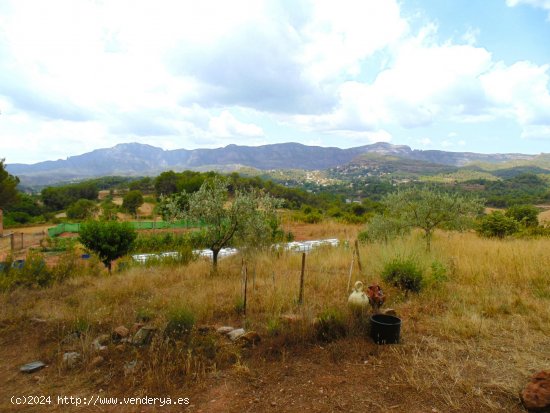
(358, 300)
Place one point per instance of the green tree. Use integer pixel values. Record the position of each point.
(497, 225)
(109, 210)
(166, 183)
(526, 215)
(248, 220)
(109, 240)
(426, 209)
(132, 201)
(8, 186)
(82, 209)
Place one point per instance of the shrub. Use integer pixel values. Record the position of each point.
(497, 225)
(526, 215)
(439, 271)
(331, 325)
(404, 274)
(180, 322)
(82, 209)
(34, 272)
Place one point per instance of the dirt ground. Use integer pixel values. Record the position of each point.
(350, 375)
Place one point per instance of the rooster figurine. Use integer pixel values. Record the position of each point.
(376, 297)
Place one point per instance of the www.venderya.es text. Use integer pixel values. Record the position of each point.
(96, 400)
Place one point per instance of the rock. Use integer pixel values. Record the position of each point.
(249, 339)
(96, 361)
(144, 336)
(389, 311)
(119, 333)
(536, 394)
(235, 334)
(32, 367)
(225, 330)
(71, 359)
(100, 343)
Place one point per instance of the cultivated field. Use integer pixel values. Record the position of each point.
(470, 339)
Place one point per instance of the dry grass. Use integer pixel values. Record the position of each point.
(469, 343)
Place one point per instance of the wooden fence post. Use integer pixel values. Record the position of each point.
(358, 256)
(350, 271)
(301, 296)
(12, 242)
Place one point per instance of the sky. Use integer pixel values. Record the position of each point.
(78, 75)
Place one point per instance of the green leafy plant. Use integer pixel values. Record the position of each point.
(497, 225)
(180, 322)
(405, 274)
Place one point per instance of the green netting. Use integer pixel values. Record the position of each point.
(139, 225)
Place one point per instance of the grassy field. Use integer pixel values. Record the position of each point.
(470, 339)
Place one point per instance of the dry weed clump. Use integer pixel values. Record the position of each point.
(470, 337)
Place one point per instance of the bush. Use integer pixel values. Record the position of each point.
(14, 218)
(439, 271)
(180, 322)
(331, 325)
(404, 274)
(526, 215)
(497, 225)
(82, 209)
(34, 272)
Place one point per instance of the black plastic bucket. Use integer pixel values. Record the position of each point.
(385, 329)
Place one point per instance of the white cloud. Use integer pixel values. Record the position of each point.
(85, 74)
(541, 4)
(519, 91)
(226, 126)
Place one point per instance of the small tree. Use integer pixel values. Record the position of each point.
(497, 225)
(132, 201)
(82, 209)
(526, 215)
(426, 209)
(109, 210)
(109, 240)
(249, 219)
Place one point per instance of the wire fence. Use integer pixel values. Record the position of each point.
(17, 241)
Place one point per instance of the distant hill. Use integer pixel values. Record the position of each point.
(134, 159)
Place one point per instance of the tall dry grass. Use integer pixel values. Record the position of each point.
(470, 337)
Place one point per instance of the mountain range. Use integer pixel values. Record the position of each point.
(135, 159)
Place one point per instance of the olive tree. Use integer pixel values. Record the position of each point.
(247, 220)
(426, 209)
